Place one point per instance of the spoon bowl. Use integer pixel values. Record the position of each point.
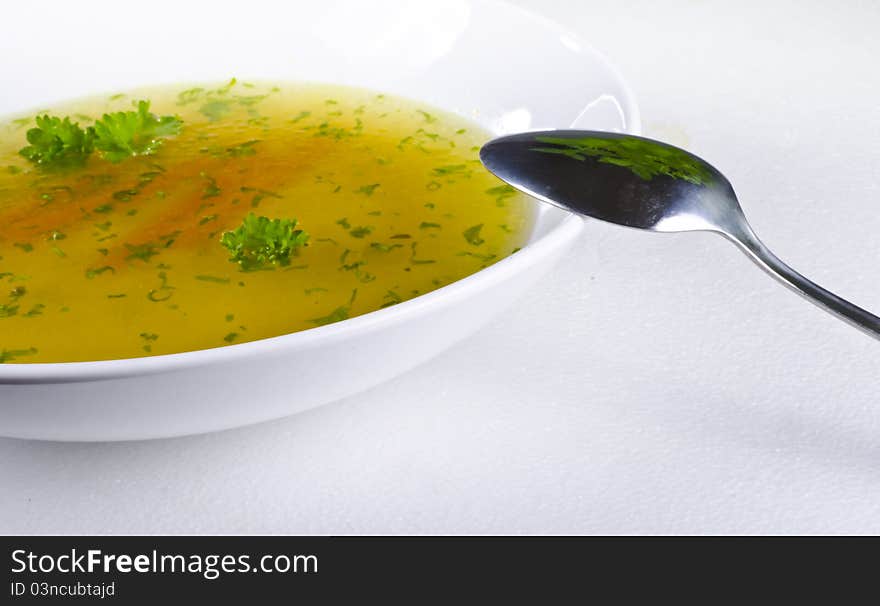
(645, 184)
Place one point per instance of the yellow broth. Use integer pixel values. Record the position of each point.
(119, 260)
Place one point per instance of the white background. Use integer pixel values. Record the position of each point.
(672, 388)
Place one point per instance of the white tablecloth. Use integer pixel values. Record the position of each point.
(670, 388)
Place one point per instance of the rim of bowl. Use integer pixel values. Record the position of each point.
(533, 251)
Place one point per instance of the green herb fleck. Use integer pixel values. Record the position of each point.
(501, 193)
(216, 109)
(451, 170)
(143, 252)
(472, 235)
(361, 231)
(300, 116)
(94, 272)
(391, 298)
(211, 189)
(190, 95)
(384, 247)
(242, 149)
(214, 279)
(367, 190)
(36, 310)
(7, 355)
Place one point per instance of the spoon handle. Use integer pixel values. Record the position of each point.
(773, 265)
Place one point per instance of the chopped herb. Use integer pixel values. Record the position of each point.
(384, 247)
(250, 100)
(229, 338)
(143, 252)
(344, 223)
(260, 195)
(472, 235)
(215, 279)
(367, 190)
(242, 149)
(25, 246)
(451, 169)
(337, 315)
(211, 189)
(189, 96)
(428, 117)
(487, 257)
(391, 298)
(164, 292)
(216, 109)
(7, 311)
(7, 355)
(427, 225)
(415, 261)
(36, 310)
(148, 339)
(361, 231)
(300, 116)
(501, 193)
(91, 273)
(125, 195)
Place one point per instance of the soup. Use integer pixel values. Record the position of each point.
(197, 218)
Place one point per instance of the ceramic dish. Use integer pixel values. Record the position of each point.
(505, 68)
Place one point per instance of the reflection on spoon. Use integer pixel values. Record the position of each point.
(645, 184)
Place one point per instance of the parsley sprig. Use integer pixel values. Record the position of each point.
(60, 142)
(261, 243)
(57, 141)
(133, 133)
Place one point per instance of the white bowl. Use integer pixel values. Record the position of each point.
(505, 68)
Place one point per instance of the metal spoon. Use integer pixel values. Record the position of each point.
(646, 184)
